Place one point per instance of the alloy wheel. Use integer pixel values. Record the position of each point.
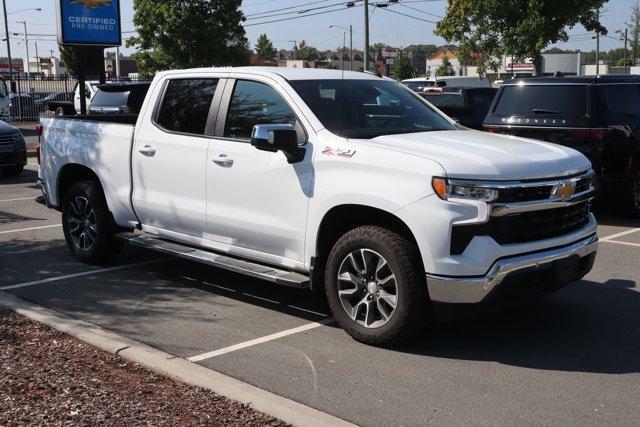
(367, 288)
(81, 220)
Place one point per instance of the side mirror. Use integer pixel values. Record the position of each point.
(275, 138)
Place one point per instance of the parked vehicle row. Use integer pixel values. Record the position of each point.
(335, 181)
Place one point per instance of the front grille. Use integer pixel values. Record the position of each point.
(10, 139)
(524, 194)
(523, 227)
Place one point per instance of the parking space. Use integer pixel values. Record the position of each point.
(569, 358)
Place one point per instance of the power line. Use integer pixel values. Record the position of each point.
(418, 10)
(299, 11)
(287, 8)
(300, 17)
(408, 16)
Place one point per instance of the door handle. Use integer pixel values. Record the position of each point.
(148, 151)
(222, 160)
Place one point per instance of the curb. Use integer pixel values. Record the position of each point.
(174, 367)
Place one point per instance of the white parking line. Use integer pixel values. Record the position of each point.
(622, 243)
(262, 340)
(620, 234)
(308, 311)
(16, 200)
(84, 273)
(31, 228)
(219, 287)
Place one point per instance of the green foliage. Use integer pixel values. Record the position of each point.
(445, 69)
(264, 48)
(91, 58)
(188, 33)
(303, 51)
(634, 30)
(522, 28)
(402, 67)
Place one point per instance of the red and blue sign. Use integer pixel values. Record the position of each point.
(89, 22)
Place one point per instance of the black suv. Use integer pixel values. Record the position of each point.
(13, 151)
(596, 115)
(469, 106)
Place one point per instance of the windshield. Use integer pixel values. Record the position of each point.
(110, 99)
(368, 108)
(543, 100)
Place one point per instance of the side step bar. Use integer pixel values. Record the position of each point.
(271, 274)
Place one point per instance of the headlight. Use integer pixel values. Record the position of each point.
(446, 189)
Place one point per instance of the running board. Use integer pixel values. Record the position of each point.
(271, 274)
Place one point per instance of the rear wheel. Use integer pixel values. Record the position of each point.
(376, 287)
(88, 228)
(12, 171)
(59, 111)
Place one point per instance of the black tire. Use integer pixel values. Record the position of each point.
(413, 310)
(12, 171)
(59, 112)
(99, 244)
(634, 194)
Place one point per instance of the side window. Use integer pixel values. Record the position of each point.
(254, 103)
(185, 106)
(623, 99)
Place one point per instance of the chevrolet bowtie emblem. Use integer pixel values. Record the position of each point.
(564, 190)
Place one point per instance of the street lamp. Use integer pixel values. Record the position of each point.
(350, 29)
(37, 9)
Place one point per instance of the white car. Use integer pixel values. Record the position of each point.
(341, 182)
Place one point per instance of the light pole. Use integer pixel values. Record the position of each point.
(350, 29)
(26, 43)
(6, 30)
(366, 35)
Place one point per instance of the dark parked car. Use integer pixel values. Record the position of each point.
(13, 150)
(43, 104)
(598, 116)
(469, 106)
(119, 98)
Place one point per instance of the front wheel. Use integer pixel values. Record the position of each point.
(88, 228)
(376, 286)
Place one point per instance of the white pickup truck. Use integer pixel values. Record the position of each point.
(341, 182)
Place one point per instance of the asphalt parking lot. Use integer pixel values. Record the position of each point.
(570, 358)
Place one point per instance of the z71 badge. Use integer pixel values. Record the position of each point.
(340, 152)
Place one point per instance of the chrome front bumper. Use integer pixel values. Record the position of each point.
(506, 271)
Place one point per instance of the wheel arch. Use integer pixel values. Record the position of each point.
(72, 173)
(342, 218)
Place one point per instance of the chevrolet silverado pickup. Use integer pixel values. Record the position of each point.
(335, 181)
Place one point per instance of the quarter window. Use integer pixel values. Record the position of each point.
(254, 103)
(623, 99)
(185, 106)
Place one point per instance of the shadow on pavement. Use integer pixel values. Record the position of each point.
(23, 178)
(615, 215)
(586, 327)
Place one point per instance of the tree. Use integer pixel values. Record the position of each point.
(487, 30)
(402, 67)
(91, 58)
(445, 69)
(634, 30)
(305, 52)
(188, 33)
(264, 48)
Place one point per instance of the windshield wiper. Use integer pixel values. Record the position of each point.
(544, 111)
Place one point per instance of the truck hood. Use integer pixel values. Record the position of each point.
(473, 154)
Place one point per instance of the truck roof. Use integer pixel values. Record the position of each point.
(284, 72)
(602, 79)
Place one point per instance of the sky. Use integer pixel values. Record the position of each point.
(400, 25)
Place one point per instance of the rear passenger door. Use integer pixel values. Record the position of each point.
(256, 200)
(170, 158)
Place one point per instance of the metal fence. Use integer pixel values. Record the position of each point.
(31, 98)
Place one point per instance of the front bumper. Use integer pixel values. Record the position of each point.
(529, 273)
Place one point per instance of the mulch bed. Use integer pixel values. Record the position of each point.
(47, 377)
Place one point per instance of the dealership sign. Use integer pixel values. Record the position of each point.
(89, 22)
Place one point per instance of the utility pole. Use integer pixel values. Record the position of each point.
(351, 47)
(366, 35)
(598, 46)
(625, 50)
(38, 58)
(118, 62)
(6, 29)
(26, 43)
